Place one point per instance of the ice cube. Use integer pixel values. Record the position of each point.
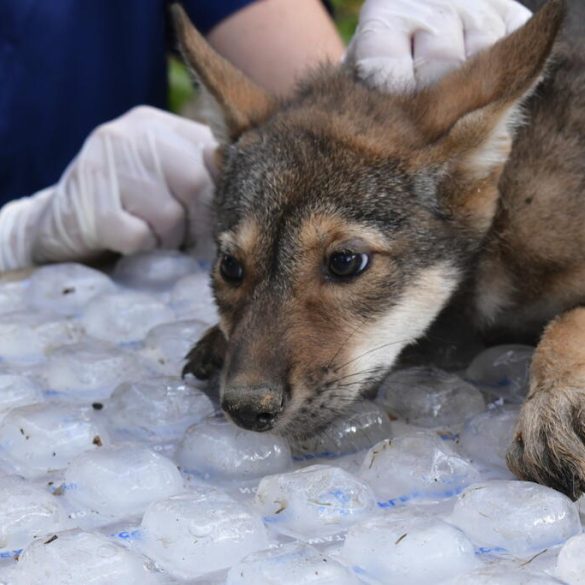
(429, 397)
(363, 426)
(16, 390)
(42, 437)
(156, 270)
(73, 558)
(291, 564)
(168, 344)
(27, 512)
(199, 532)
(65, 288)
(486, 437)
(407, 549)
(502, 371)
(157, 407)
(116, 482)
(124, 316)
(502, 576)
(515, 516)
(26, 336)
(12, 296)
(571, 561)
(315, 500)
(191, 298)
(216, 449)
(89, 370)
(415, 467)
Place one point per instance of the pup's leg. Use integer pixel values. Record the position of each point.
(206, 358)
(549, 442)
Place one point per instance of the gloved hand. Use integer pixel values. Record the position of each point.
(138, 183)
(403, 44)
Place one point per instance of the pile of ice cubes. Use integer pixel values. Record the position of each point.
(115, 471)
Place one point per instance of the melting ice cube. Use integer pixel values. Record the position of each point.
(191, 298)
(515, 516)
(199, 532)
(414, 468)
(65, 288)
(403, 548)
(291, 564)
(430, 397)
(159, 407)
(313, 501)
(42, 437)
(242, 454)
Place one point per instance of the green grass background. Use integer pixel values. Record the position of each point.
(181, 90)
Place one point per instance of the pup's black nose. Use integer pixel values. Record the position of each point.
(254, 408)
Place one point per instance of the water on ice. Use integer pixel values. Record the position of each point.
(515, 516)
(156, 408)
(403, 548)
(122, 317)
(65, 289)
(39, 438)
(215, 449)
(118, 482)
(502, 371)
(73, 558)
(429, 397)
(199, 532)
(313, 501)
(156, 270)
(290, 564)
(417, 467)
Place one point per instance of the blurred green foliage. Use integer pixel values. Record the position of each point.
(181, 89)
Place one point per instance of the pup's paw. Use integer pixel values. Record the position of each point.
(206, 357)
(548, 446)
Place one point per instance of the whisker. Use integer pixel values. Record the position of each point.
(390, 343)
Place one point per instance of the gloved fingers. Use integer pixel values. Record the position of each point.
(439, 48)
(481, 29)
(381, 49)
(157, 208)
(515, 15)
(124, 233)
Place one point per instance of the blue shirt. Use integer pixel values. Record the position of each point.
(67, 66)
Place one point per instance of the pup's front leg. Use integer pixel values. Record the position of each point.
(549, 442)
(206, 358)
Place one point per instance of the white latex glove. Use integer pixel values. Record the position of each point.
(403, 44)
(138, 182)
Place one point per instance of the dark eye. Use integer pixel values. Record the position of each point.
(231, 269)
(346, 264)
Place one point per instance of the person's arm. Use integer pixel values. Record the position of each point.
(275, 41)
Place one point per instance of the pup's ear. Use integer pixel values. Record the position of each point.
(232, 103)
(469, 115)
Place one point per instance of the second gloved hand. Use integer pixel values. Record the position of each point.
(138, 183)
(411, 43)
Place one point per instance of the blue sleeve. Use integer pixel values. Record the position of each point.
(207, 13)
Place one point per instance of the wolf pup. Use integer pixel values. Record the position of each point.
(347, 218)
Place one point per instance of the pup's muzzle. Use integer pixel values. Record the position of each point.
(255, 408)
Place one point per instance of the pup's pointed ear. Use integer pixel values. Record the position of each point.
(232, 103)
(470, 113)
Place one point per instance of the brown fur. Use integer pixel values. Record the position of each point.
(441, 191)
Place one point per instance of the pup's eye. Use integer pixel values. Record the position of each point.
(346, 264)
(231, 269)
